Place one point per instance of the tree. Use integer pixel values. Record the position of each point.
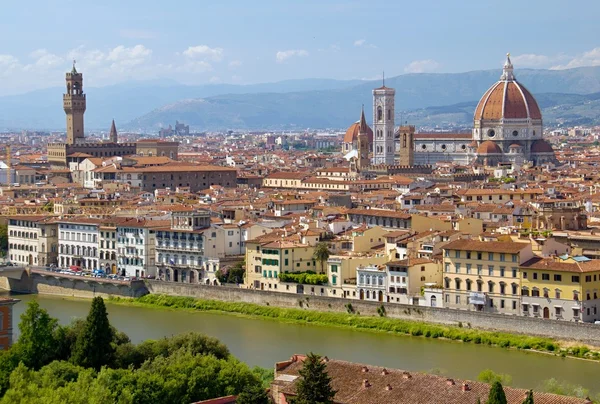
(497, 395)
(489, 376)
(321, 254)
(529, 398)
(37, 344)
(3, 239)
(93, 348)
(314, 387)
(253, 394)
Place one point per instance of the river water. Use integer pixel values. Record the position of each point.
(264, 342)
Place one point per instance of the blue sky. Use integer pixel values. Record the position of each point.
(198, 42)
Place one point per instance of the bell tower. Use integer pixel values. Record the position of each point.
(363, 143)
(74, 106)
(407, 145)
(383, 125)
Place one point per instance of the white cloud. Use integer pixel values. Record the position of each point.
(7, 61)
(44, 59)
(234, 63)
(236, 78)
(530, 60)
(422, 66)
(215, 79)
(589, 58)
(282, 56)
(204, 52)
(360, 42)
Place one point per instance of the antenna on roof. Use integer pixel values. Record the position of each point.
(383, 78)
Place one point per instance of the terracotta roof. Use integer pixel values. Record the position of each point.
(507, 99)
(379, 212)
(355, 383)
(489, 147)
(486, 246)
(352, 133)
(541, 146)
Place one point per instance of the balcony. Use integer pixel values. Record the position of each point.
(477, 298)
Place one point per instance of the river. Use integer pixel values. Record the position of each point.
(264, 342)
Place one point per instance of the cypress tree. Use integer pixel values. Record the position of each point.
(497, 395)
(314, 386)
(529, 398)
(93, 347)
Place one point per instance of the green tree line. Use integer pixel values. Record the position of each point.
(89, 361)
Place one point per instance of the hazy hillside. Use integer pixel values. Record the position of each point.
(308, 103)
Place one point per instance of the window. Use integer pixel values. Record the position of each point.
(525, 308)
(490, 256)
(334, 268)
(545, 277)
(479, 256)
(514, 289)
(524, 275)
(469, 284)
(546, 293)
(490, 270)
(479, 269)
(535, 275)
(588, 278)
(468, 254)
(457, 282)
(446, 253)
(502, 303)
(502, 271)
(557, 278)
(502, 257)
(557, 294)
(422, 279)
(514, 272)
(491, 287)
(576, 313)
(502, 288)
(514, 305)
(457, 254)
(468, 268)
(457, 267)
(447, 269)
(535, 292)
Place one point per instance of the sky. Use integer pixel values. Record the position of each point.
(256, 41)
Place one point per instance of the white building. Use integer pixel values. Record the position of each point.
(136, 248)
(371, 283)
(78, 243)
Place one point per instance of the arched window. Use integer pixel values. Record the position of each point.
(404, 140)
(389, 115)
(379, 116)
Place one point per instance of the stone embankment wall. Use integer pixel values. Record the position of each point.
(71, 287)
(569, 331)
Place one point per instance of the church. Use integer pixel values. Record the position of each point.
(507, 128)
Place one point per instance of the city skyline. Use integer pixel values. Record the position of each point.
(215, 43)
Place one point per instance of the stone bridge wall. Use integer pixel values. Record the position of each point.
(562, 330)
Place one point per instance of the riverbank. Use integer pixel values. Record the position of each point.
(377, 324)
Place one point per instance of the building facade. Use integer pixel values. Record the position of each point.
(384, 148)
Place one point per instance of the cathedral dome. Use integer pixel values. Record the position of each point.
(541, 146)
(489, 147)
(352, 133)
(507, 99)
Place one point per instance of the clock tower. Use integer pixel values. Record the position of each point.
(74, 106)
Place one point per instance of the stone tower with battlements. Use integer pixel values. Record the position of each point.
(74, 106)
(383, 125)
(407, 145)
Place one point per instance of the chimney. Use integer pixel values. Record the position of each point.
(365, 369)
(366, 383)
(325, 359)
(406, 375)
(465, 387)
(450, 382)
(388, 387)
(384, 372)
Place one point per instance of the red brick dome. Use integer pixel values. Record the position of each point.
(489, 147)
(541, 146)
(507, 99)
(352, 133)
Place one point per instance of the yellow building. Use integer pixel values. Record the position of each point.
(406, 278)
(561, 288)
(484, 276)
(341, 271)
(267, 257)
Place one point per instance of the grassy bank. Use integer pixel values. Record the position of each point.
(382, 324)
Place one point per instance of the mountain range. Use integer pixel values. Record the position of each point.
(569, 96)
